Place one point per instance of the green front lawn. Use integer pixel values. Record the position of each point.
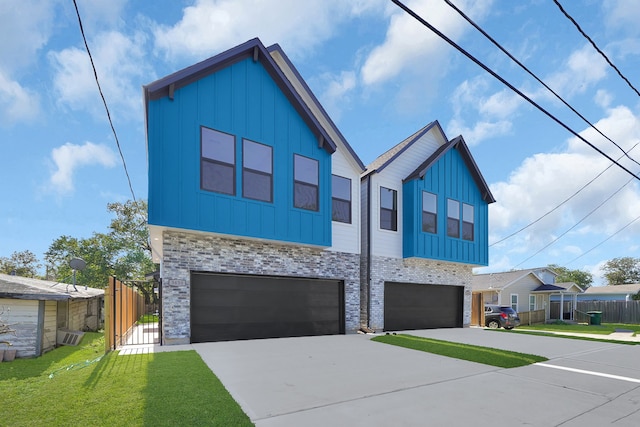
(604, 329)
(81, 386)
(473, 353)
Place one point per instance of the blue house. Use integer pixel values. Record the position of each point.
(266, 223)
(426, 228)
(251, 208)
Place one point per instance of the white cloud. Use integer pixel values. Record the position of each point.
(409, 43)
(491, 112)
(623, 14)
(209, 26)
(16, 102)
(583, 69)
(119, 61)
(95, 13)
(25, 28)
(545, 180)
(336, 96)
(603, 98)
(70, 157)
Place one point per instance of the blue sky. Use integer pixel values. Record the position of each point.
(379, 74)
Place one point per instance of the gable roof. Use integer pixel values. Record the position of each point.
(499, 281)
(17, 287)
(276, 50)
(614, 289)
(254, 49)
(389, 156)
(459, 144)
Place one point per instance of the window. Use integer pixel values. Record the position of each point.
(514, 302)
(217, 161)
(305, 183)
(257, 171)
(467, 222)
(341, 199)
(429, 213)
(532, 302)
(388, 209)
(453, 218)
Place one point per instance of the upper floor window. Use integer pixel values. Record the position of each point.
(453, 218)
(305, 183)
(467, 222)
(257, 171)
(341, 199)
(217, 161)
(429, 212)
(388, 209)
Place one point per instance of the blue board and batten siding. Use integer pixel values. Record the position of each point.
(244, 101)
(448, 178)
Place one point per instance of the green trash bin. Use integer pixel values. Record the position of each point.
(595, 317)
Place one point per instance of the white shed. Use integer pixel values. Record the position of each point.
(37, 315)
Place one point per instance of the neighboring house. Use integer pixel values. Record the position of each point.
(36, 315)
(527, 290)
(254, 211)
(610, 293)
(424, 227)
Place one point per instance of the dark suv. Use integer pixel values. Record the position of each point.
(496, 316)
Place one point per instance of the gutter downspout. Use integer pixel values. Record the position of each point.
(368, 275)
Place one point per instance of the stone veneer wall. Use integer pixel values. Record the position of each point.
(187, 252)
(416, 270)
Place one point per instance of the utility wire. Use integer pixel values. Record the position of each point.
(595, 46)
(506, 83)
(524, 67)
(604, 241)
(559, 205)
(576, 224)
(104, 101)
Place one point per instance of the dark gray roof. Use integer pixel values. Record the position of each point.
(459, 144)
(546, 288)
(17, 287)
(253, 48)
(385, 159)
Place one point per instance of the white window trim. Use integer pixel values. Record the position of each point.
(535, 302)
(511, 301)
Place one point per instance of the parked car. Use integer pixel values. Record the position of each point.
(496, 316)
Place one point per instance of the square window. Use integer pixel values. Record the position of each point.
(217, 161)
(453, 218)
(429, 213)
(257, 171)
(341, 199)
(305, 183)
(468, 221)
(388, 209)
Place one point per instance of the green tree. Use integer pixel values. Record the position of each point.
(622, 271)
(584, 279)
(123, 252)
(24, 263)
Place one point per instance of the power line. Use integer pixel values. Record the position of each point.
(559, 205)
(576, 224)
(524, 67)
(104, 101)
(506, 83)
(595, 46)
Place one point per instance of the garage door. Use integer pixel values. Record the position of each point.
(417, 306)
(228, 307)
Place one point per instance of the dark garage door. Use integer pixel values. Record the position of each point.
(228, 307)
(417, 306)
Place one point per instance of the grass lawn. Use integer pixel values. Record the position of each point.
(148, 318)
(81, 386)
(473, 353)
(604, 329)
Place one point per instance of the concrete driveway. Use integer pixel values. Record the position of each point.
(348, 380)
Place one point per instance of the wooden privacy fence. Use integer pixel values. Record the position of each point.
(123, 307)
(612, 311)
(532, 317)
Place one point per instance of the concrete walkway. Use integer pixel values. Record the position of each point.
(351, 380)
